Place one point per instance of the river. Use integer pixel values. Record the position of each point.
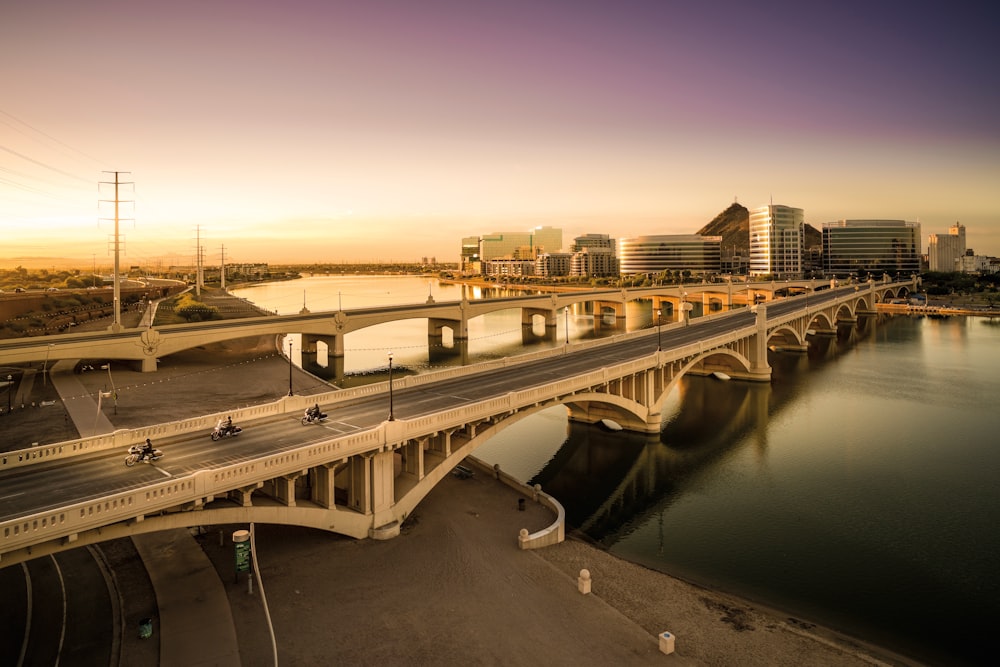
(856, 490)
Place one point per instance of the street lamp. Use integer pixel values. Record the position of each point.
(567, 324)
(391, 418)
(10, 390)
(659, 312)
(290, 366)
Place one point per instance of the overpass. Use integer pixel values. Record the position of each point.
(323, 332)
(361, 474)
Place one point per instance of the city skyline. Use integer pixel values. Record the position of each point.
(325, 132)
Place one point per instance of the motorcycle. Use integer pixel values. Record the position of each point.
(311, 417)
(136, 455)
(223, 430)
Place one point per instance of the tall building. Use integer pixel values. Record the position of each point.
(871, 246)
(945, 250)
(776, 238)
(524, 245)
(671, 252)
(592, 241)
(552, 264)
(594, 262)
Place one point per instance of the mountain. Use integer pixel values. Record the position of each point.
(733, 225)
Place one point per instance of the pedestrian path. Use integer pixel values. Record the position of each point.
(195, 622)
(88, 418)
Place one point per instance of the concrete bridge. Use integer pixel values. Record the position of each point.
(323, 332)
(362, 475)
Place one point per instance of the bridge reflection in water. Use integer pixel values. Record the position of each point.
(611, 481)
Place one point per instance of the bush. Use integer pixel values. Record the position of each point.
(195, 311)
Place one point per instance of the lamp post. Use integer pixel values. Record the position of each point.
(659, 312)
(10, 390)
(111, 380)
(567, 324)
(391, 418)
(290, 366)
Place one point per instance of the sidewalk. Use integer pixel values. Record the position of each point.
(195, 621)
(83, 410)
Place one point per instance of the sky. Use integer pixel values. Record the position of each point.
(328, 131)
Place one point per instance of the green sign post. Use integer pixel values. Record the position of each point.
(241, 545)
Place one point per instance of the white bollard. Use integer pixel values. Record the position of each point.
(583, 581)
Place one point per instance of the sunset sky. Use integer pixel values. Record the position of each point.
(326, 130)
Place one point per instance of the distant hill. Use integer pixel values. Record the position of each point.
(733, 225)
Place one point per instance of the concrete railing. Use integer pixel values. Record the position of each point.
(292, 404)
(161, 496)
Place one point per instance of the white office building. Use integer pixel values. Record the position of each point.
(777, 234)
(944, 251)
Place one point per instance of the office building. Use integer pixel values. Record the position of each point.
(776, 239)
(671, 252)
(851, 247)
(522, 245)
(594, 263)
(944, 251)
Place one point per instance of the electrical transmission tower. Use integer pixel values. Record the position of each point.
(116, 326)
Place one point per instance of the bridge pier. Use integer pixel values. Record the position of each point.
(760, 369)
(528, 334)
(412, 458)
(311, 358)
(322, 484)
(600, 308)
(282, 488)
(242, 495)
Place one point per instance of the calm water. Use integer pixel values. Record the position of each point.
(857, 490)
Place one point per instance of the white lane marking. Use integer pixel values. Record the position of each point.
(161, 471)
(62, 631)
(27, 624)
(12, 495)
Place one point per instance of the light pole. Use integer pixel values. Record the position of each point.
(290, 366)
(567, 324)
(111, 380)
(659, 312)
(391, 418)
(10, 390)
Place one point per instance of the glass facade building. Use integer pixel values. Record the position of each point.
(672, 252)
(776, 236)
(871, 246)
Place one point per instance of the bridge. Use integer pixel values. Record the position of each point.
(362, 474)
(323, 332)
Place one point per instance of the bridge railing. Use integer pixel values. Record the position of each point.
(122, 438)
(172, 494)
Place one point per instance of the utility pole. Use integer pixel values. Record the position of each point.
(116, 326)
(222, 269)
(197, 262)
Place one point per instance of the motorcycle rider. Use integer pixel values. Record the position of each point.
(313, 412)
(147, 450)
(229, 425)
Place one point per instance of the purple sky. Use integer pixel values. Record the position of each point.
(327, 131)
